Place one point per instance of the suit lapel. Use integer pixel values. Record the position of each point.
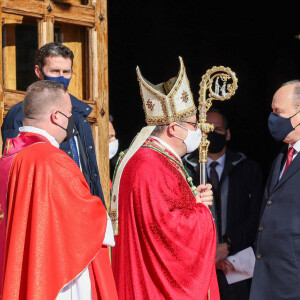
(276, 170)
(227, 168)
(230, 205)
(293, 167)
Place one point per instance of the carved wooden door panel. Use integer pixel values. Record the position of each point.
(81, 25)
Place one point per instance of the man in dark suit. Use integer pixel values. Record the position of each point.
(54, 61)
(238, 187)
(277, 267)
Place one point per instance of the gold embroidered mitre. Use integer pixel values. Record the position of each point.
(169, 101)
(163, 104)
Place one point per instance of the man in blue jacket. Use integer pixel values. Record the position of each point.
(54, 62)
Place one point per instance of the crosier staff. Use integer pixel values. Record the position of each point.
(225, 85)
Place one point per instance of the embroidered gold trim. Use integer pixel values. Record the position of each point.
(167, 101)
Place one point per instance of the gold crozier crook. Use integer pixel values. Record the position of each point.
(219, 83)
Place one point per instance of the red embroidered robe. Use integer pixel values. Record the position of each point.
(167, 242)
(54, 226)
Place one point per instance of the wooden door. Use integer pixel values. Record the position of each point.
(79, 24)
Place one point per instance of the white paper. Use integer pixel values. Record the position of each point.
(243, 263)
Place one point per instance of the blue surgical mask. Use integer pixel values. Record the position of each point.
(60, 79)
(280, 127)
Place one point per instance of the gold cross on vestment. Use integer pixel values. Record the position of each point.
(1, 214)
(8, 146)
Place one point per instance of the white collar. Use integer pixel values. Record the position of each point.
(296, 146)
(42, 132)
(166, 145)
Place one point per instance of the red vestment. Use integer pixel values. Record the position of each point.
(167, 242)
(55, 227)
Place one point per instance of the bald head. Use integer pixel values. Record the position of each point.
(293, 87)
(41, 98)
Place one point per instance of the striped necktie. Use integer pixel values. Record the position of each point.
(289, 159)
(214, 177)
(74, 149)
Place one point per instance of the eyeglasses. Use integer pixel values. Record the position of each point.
(196, 125)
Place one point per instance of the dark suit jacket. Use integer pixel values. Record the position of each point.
(241, 186)
(277, 268)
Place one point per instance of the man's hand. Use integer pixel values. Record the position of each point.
(225, 265)
(221, 253)
(205, 194)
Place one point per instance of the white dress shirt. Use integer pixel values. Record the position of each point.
(296, 146)
(219, 168)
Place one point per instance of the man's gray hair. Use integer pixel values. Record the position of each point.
(41, 96)
(160, 129)
(296, 91)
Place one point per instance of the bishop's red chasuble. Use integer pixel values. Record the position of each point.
(167, 242)
(54, 226)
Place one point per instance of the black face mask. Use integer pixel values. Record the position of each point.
(70, 126)
(217, 142)
(280, 127)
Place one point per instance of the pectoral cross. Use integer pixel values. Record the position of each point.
(8, 146)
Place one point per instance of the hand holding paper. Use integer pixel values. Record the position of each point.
(243, 263)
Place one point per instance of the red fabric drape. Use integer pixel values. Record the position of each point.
(166, 244)
(55, 226)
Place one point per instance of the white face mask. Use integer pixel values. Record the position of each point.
(192, 140)
(113, 148)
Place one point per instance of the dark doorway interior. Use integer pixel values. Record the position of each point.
(261, 47)
(26, 45)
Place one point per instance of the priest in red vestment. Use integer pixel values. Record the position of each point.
(165, 233)
(54, 231)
